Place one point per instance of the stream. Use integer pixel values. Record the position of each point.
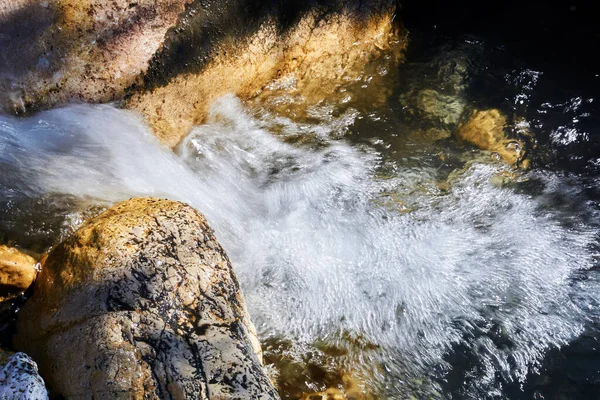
(421, 268)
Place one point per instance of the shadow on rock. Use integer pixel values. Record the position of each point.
(142, 302)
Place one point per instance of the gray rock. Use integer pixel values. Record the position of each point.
(19, 379)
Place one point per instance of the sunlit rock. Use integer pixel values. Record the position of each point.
(17, 272)
(142, 302)
(19, 378)
(486, 129)
(171, 58)
(349, 390)
(312, 50)
(91, 50)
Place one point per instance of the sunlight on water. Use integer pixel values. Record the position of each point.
(482, 267)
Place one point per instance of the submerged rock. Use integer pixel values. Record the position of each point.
(442, 109)
(17, 272)
(142, 302)
(486, 129)
(19, 378)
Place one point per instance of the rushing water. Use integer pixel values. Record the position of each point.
(420, 268)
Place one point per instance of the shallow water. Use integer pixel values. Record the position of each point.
(414, 265)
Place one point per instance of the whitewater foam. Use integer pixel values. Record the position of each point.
(486, 267)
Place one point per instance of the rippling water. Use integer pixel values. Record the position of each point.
(419, 267)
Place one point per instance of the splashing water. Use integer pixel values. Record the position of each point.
(485, 269)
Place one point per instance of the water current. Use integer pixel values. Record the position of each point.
(418, 267)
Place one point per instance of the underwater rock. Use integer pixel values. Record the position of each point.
(17, 272)
(350, 390)
(142, 302)
(442, 109)
(19, 378)
(486, 129)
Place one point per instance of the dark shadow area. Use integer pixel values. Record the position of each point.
(554, 44)
(19, 33)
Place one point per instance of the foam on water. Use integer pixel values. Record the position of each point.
(484, 267)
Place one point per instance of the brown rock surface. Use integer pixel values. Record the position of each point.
(17, 272)
(320, 53)
(142, 302)
(169, 59)
(486, 129)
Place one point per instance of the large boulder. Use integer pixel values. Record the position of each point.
(169, 59)
(142, 302)
(311, 48)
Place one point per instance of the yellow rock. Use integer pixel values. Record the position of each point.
(319, 54)
(142, 302)
(169, 59)
(485, 129)
(17, 272)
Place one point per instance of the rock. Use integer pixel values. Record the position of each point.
(169, 59)
(91, 50)
(318, 47)
(442, 109)
(19, 378)
(17, 272)
(486, 129)
(142, 302)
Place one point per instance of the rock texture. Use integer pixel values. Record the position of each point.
(169, 59)
(19, 378)
(17, 272)
(53, 51)
(142, 302)
(311, 47)
(486, 129)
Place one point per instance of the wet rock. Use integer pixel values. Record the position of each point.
(442, 109)
(19, 378)
(17, 272)
(171, 58)
(91, 50)
(486, 129)
(312, 49)
(434, 90)
(142, 302)
(350, 390)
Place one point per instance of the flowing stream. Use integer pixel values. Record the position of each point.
(357, 250)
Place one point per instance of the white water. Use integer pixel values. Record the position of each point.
(315, 252)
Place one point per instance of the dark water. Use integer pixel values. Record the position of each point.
(538, 60)
(366, 238)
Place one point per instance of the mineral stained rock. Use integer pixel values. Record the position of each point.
(142, 302)
(17, 272)
(169, 59)
(245, 47)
